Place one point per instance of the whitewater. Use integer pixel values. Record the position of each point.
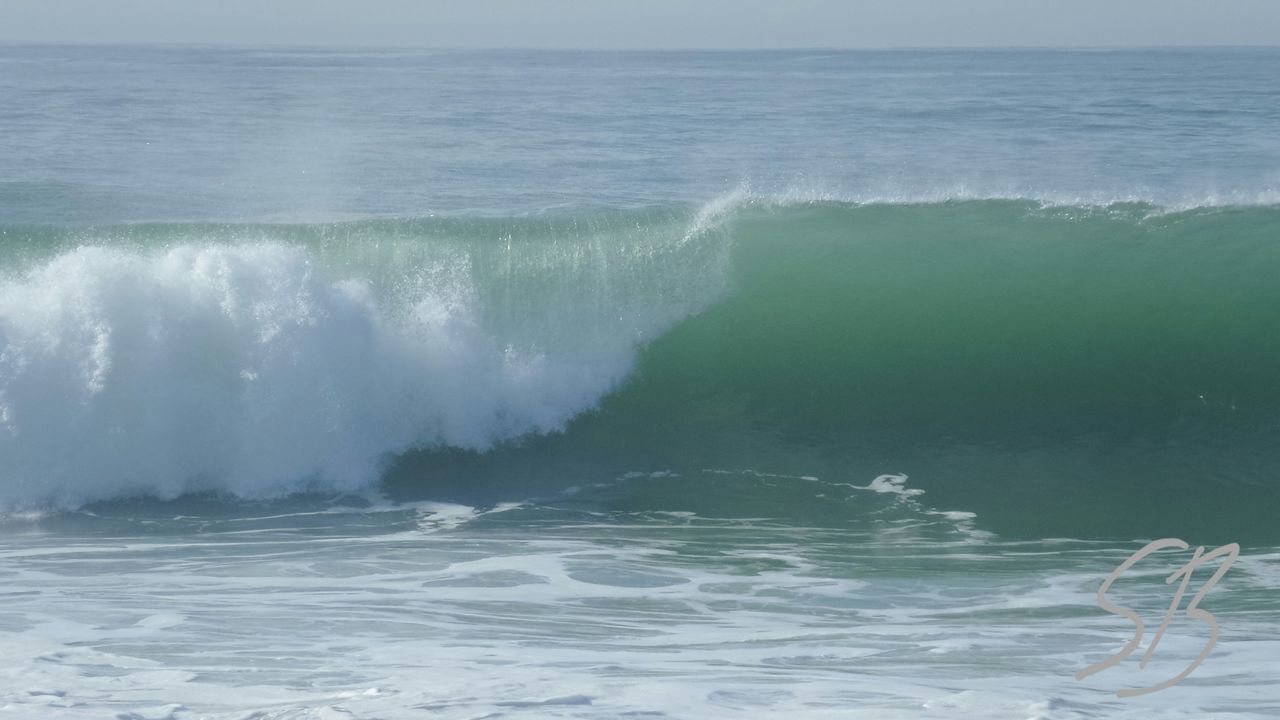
(381, 384)
(262, 368)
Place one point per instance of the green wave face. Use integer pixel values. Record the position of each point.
(1060, 372)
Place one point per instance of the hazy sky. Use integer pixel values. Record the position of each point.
(646, 23)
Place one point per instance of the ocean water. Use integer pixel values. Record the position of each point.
(425, 384)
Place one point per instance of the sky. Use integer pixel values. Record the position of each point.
(645, 24)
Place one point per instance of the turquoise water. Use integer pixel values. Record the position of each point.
(455, 384)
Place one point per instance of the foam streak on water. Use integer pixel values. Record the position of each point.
(547, 611)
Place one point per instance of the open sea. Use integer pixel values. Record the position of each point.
(454, 385)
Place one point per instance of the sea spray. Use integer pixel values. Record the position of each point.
(267, 367)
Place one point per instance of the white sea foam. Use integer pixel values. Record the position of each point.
(260, 369)
(1161, 201)
(675, 617)
(892, 484)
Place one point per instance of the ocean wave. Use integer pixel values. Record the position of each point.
(992, 349)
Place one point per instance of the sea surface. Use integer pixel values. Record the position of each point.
(459, 385)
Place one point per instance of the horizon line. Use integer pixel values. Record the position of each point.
(4, 42)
